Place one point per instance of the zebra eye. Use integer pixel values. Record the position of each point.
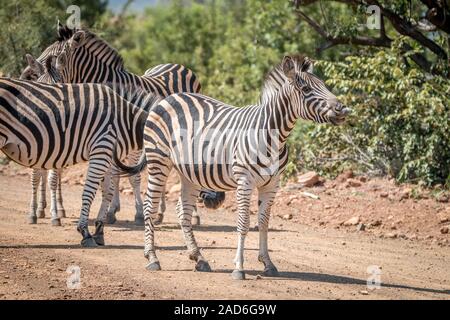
(306, 89)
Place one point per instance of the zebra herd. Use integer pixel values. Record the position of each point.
(77, 103)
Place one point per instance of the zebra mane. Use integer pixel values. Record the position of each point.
(276, 78)
(91, 38)
(64, 33)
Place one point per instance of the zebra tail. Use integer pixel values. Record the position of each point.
(123, 170)
(212, 199)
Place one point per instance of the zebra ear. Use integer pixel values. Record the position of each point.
(78, 38)
(60, 62)
(308, 65)
(34, 65)
(288, 66)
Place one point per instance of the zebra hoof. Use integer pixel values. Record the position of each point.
(139, 220)
(195, 220)
(202, 266)
(271, 272)
(99, 239)
(32, 219)
(158, 219)
(110, 218)
(56, 222)
(40, 213)
(89, 243)
(238, 275)
(61, 213)
(154, 266)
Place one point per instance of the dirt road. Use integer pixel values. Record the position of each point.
(313, 262)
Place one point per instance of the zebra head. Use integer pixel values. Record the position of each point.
(35, 67)
(65, 58)
(86, 57)
(62, 66)
(50, 74)
(309, 93)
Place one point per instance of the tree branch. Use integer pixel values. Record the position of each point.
(407, 29)
(440, 14)
(382, 41)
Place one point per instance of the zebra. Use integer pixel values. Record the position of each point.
(35, 70)
(220, 147)
(87, 58)
(53, 126)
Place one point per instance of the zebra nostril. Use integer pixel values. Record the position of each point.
(339, 106)
(345, 111)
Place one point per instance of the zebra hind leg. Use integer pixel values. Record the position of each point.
(114, 206)
(159, 217)
(53, 179)
(266, 198)
(195, 217)
(98, 166)
(35, 177)
(158, 169)
(107, 194)
(185, 208)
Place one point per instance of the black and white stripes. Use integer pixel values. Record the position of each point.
(81, 56)
(216, 146)
(54, 126)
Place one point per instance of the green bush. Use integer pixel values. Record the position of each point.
(29, 26)
(400, 123)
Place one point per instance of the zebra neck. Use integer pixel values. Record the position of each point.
(278, 115)
(122, 79)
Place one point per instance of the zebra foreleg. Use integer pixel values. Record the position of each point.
(265, 200)
(35, 177)
(42, 204)
(158, 170)
(135, 182)
(53, 181)
(59, 199)
(185, 208)
(98, 166)
(243, 194)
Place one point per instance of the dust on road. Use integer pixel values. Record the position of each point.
(313, 262)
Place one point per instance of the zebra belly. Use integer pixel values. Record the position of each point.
(18, 153)
(212, 177)
(32, 158)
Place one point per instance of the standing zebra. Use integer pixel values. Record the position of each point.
(34, 70)
(88, 58)
(55, 126)
(220, 147)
